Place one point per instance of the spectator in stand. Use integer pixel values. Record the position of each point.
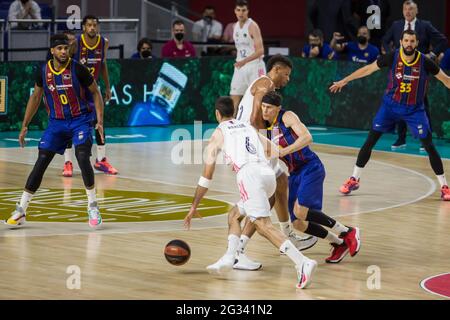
(24, 9)
(444, 59)
(144, 50)
(208, 29)
(178, 47)
(361, 51)
(359, 9)
(333, 16)
(317, 48)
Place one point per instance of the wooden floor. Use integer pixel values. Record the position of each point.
(404, 228)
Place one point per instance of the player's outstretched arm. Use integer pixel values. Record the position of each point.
(99, 107)
(444, 78)
(291, 120)
(360, 73)
(32, 107)
(212, 150)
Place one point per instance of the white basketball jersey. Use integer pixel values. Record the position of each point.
(245, 46)
(246, 105)
(241, 144)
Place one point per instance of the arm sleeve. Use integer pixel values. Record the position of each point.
(431, 67)
(38, 77)
(385, 60)
(83, 75)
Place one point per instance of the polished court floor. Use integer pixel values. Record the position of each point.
(404, 226)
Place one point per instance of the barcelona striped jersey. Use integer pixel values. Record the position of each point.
(91, 57)
(283, 136)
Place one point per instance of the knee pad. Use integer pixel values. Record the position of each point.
(35, 177)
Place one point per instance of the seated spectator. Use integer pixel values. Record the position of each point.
(317, 48)
(207, 30)
(445, 60)
(178, 47)
(227, 36)
(24, 9)
(361, 51)
(144, 49)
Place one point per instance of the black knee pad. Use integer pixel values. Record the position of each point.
(83, 154)
(36, 175)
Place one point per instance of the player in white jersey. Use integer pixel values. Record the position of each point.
(250, 52)
(247, 152)
(249, 111)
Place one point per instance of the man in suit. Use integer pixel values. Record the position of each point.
(428, 35)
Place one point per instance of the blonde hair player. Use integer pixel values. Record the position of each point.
(247, 152)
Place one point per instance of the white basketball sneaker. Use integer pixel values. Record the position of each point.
(302, 243)
(17, 218)
(305, 272)
(244, 263)
(223, 265)
(95, 219)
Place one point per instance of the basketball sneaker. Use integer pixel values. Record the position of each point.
(399, 144)
(350, 185)
(17, 218)
(338, 253)
(445, 193)
(68, 169)
(243, 262)
(95, 219)
(305, 272)
(105, 166)
(352, 240)
(223, 265)
(302, 243)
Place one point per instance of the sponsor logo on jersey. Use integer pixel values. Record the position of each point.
(399, 75)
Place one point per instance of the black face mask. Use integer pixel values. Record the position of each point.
(362, 40)
(208, 19)
(24, 1)
(146, 54)
(179, 36)
(316, 46)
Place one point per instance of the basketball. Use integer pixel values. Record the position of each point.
(177, 252)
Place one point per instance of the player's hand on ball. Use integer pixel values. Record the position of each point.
(22, 134)
(99, 127)
(192, 213)
(337, 86)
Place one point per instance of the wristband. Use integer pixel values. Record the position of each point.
(203, 182)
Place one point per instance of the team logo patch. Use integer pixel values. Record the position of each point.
(67, 76)
(249, 146)
(98, 51)
(366, 54)
(80, 135)
(415, 69)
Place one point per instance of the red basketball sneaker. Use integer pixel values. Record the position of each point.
(445, 193)
(68, 169)
(105, 166)
(339, 252)
(350, 185)
(352, 240)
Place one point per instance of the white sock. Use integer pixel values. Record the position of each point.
(25, 200)
(68, 155)
(442, 180)
(91, 196)
(243, 240)
(292, 252)
(233, 243)
(332, 238)
(101, 153)
(286, 228)
(357, 172)
(339, 227)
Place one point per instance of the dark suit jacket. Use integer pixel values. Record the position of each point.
(426, 32)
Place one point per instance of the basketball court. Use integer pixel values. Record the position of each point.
(404, 225)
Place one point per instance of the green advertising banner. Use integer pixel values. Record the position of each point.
(180, 91)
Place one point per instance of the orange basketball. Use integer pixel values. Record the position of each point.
(177, 252)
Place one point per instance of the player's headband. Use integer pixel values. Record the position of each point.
(273, 99)
(59, 42)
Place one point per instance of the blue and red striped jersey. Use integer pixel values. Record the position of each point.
(91, 57)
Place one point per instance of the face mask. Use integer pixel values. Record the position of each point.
(408, 53)
(179, 36)
(24, 1)
(146, 54)
(362, 40)
(208, 19)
